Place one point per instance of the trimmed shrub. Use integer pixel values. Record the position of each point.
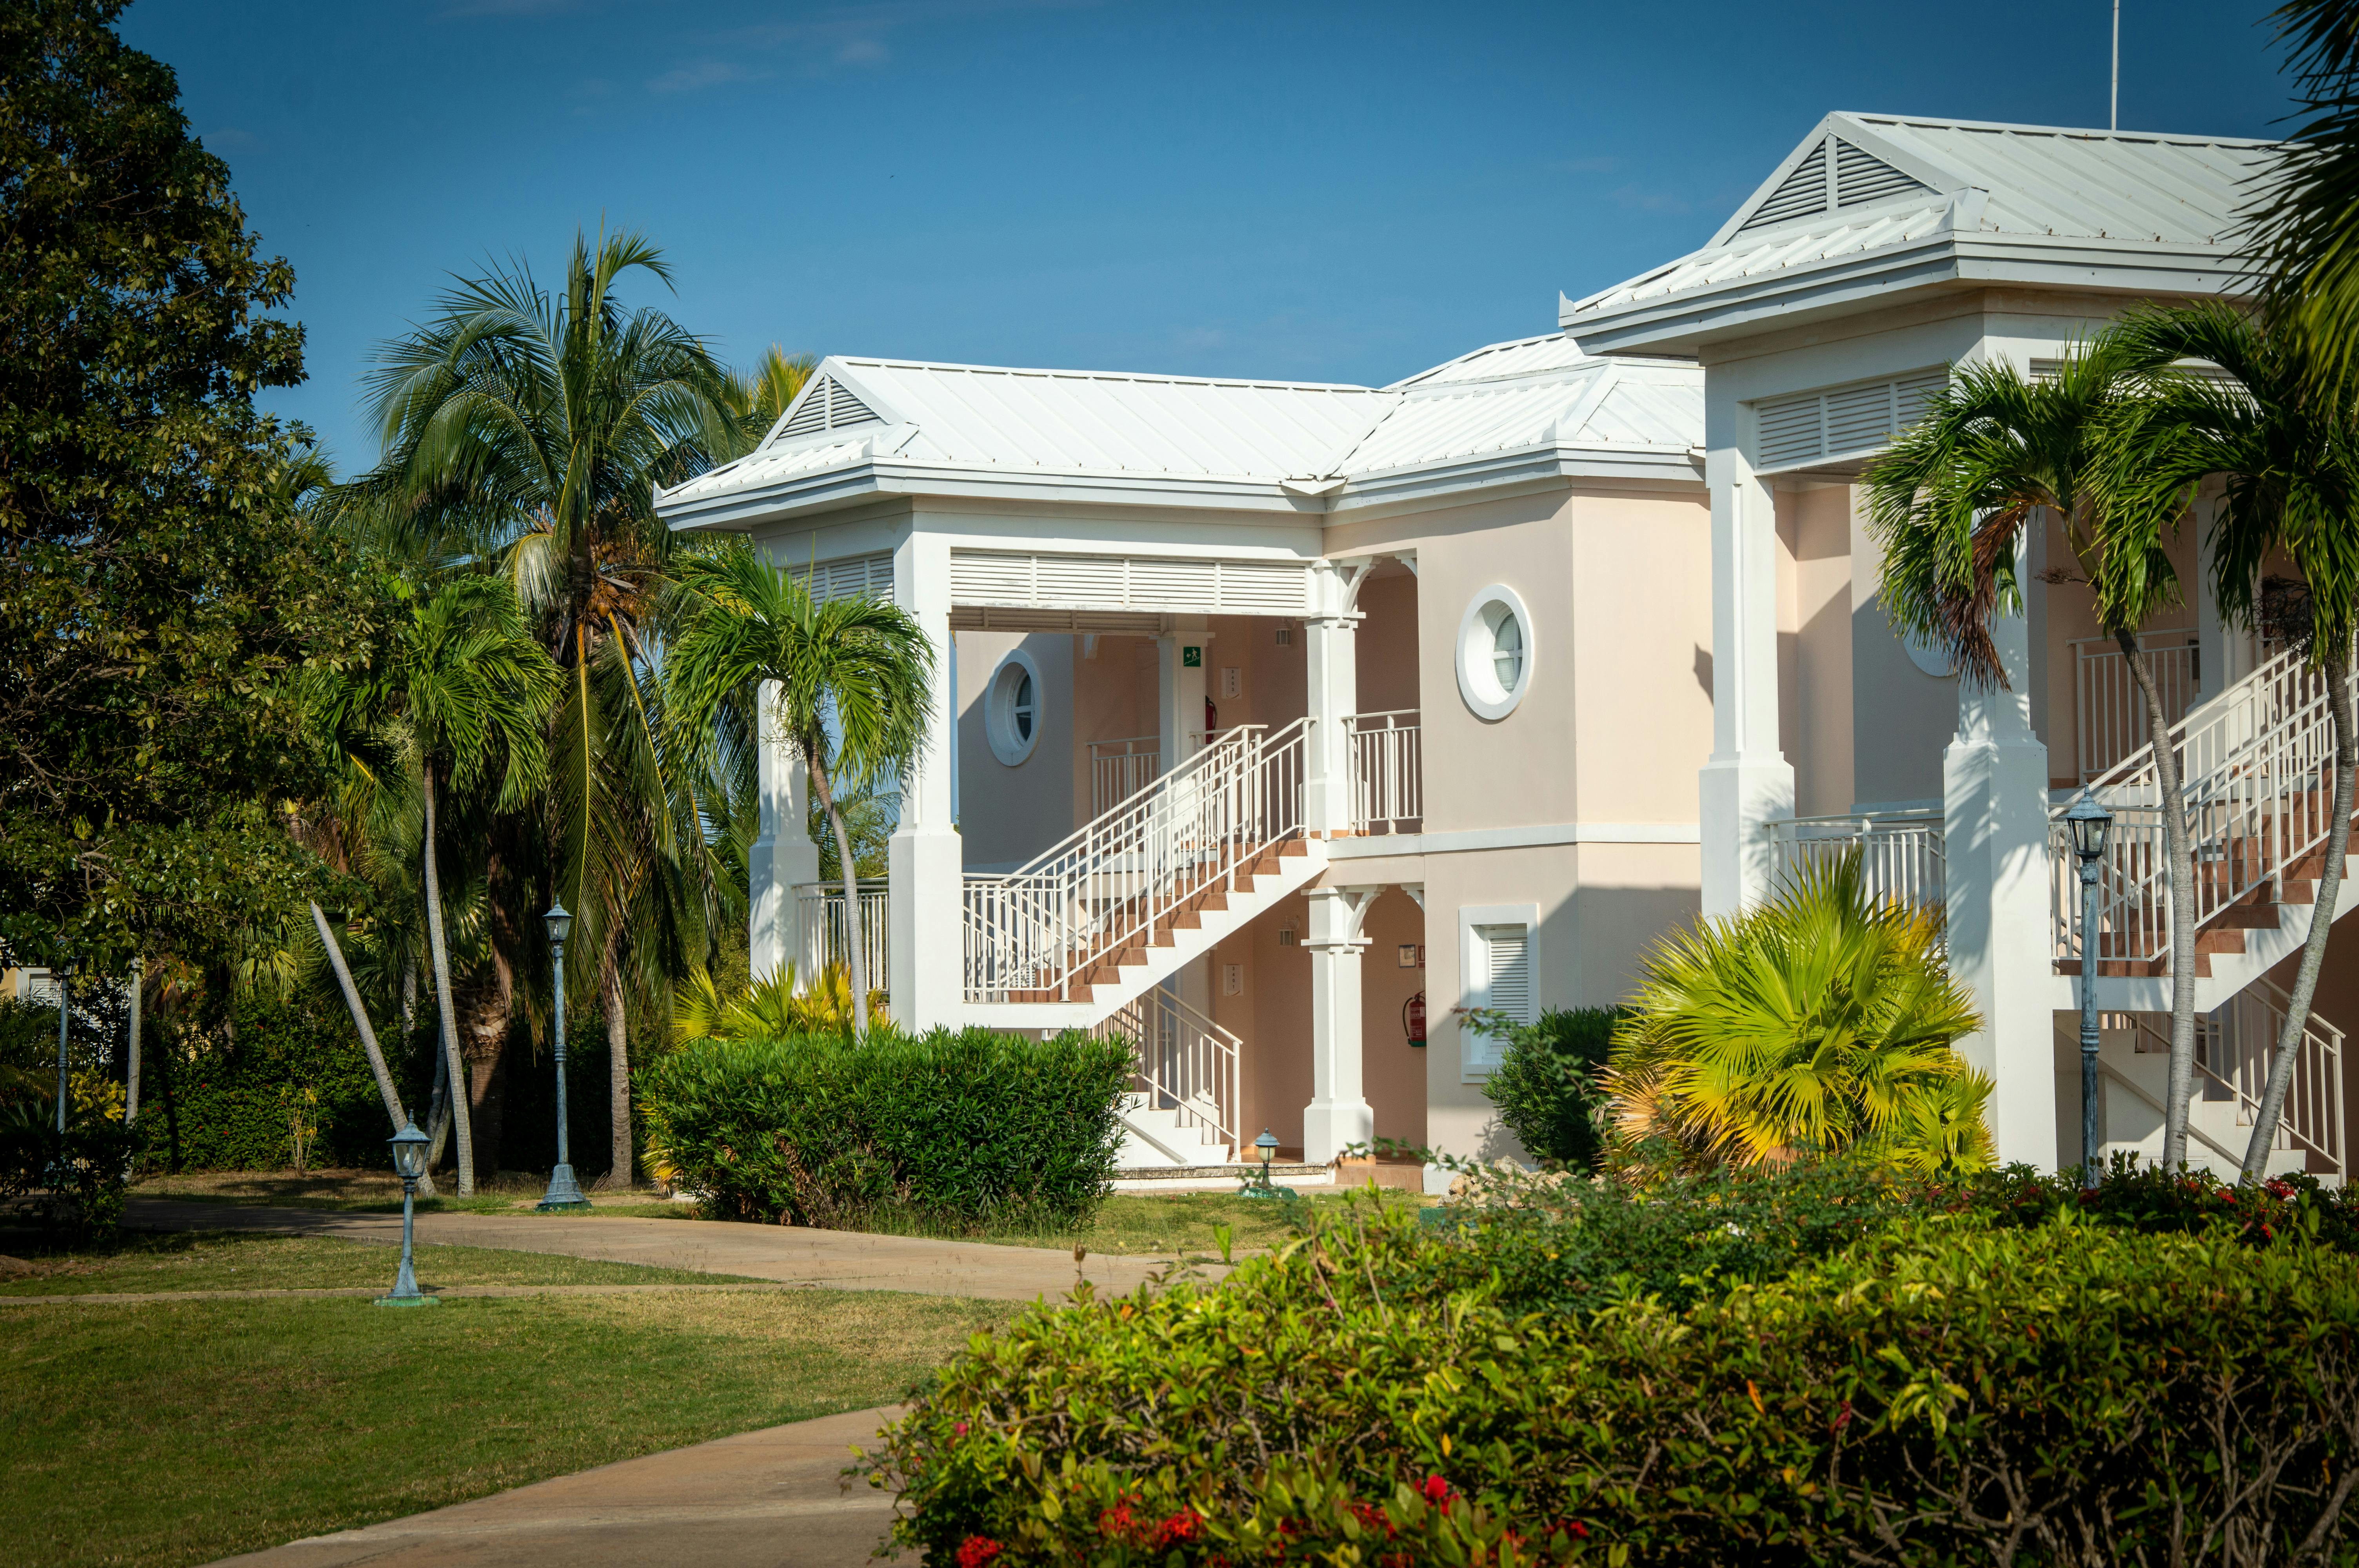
(232, 1100)
(1949, 1389)
(1547, 1083)
(72, 1181)
(960, 1130)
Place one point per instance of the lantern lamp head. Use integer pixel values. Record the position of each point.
(560, 923)
(2092, 825)
(1264, 1147)
(409, 1147)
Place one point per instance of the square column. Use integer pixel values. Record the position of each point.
(1179, 686)
(1332, 673)
(1747, 782)
(1995, 832)
(1339, 1114)
(926, 868)
(782, 856)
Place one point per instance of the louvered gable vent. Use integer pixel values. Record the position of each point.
(826, 405)
(1158, 583)
(1857, 179)
(1811, 426)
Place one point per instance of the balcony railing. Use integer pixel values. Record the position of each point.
(818, 916)
(1388, 772)
(1120, 769)
(1900, 853)
(2110, 712)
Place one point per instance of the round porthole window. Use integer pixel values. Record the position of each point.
(1011, 714)
(1494, 651)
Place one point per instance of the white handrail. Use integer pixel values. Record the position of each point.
(1186, 1061)
(2257, 766)
(1901, 853)
(818, 916)
(1387, 769)
(1034, 933)
(2234, 1046)
(2108, 705)
(1120, 769)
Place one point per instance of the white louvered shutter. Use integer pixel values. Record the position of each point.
(1507, 954)
(1861, 178)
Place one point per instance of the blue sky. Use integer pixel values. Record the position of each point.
(1316, 192)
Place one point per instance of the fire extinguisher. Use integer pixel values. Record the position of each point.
(1211, 717)
(1413, 1018)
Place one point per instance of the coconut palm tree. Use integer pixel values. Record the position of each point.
(1819, 1022)
(2304, 208)
(463, 690)
(1950, 500)
(761, 398)
(537, 421)
(851, 687)
(2288, 449)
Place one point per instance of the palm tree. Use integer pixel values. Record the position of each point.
(759, 399)
(2289, 448)
(463, 688)
(1819, 1022)
(861, 667)
(539, 421)
(1950, 502)
(2305, 207)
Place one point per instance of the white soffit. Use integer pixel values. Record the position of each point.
(1895, 182)
(1160, 584)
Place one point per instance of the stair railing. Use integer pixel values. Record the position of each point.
(1032, 934)
(1387, 770)
(2256, 763)
(2233, 1044)
(1186, 1063)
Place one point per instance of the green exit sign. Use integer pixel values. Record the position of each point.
(1192, 658)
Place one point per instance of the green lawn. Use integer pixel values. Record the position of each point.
(180, 1431)
(203, 1260)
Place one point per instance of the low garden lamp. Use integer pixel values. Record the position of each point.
(564, 1192)
(410, 1150)
(2092, 826)
(1265, 1150)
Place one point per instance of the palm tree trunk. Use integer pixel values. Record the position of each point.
(618, 1071)
(441, 956)
(2322, 920)
(858, 960)
(385, 1085)
(2179, 850)
(438, 1119)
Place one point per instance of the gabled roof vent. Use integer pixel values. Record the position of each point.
(826, 405)
(1855, 178)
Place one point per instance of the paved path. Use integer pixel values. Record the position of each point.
(840, 1259)
(773, 1498)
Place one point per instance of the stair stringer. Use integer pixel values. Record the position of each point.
(2264, 949)
(1294, 873)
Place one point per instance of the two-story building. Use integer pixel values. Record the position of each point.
(1281, 723)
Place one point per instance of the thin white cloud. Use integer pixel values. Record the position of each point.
(840, 38)
(698, 75)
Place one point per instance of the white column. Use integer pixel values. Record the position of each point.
(1338, 1114)
(2224, 652)
(1332, 673)
(1747, 782)
(927, 917)
(1179, 686)
(1995, 794)
(782, 856)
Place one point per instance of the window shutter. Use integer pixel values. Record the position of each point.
(1508, 952)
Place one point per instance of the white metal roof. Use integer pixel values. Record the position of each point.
(1538, 391)
(2157, 210)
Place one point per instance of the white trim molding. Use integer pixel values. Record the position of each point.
(1012, 747)
(1539, 838)
(1479, 925)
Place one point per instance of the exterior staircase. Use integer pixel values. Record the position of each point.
(2234, 1046)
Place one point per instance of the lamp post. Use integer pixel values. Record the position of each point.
(2092, 825)
(65, 1016)
(409, 1148)
(1265, 1150)
(564, 1192)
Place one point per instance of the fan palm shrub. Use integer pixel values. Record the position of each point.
(2287, 448)
(1818, 1022)
(1993, 455)
(777, 1006)
(849, 680)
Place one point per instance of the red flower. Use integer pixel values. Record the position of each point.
(977, 1550)
(1181, 1527)
(1843, 1417)
(1437, 1491)
(1115, 1520)
(2278, 1188)
(958, 1431)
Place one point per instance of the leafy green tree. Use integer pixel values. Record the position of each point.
(1950, 502)
(760, 400)
(2288, 449)
(533, 423)
(160, 593)
(1818, 1023)
(859, 667)
(463, 690)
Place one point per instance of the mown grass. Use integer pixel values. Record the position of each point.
(137, 1263)
(177, 1432)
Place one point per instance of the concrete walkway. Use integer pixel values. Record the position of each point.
(839, 1259)
(773, 1498)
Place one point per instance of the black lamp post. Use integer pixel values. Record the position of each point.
(2092, 826)
(64, 971)
(564, 1192)
(409, 1150)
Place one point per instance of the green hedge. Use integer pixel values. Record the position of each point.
(1546, 1085)
(225, 1102)
(1950, 1389)
(965, 1131)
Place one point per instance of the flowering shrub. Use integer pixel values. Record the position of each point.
(1982, 1384)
